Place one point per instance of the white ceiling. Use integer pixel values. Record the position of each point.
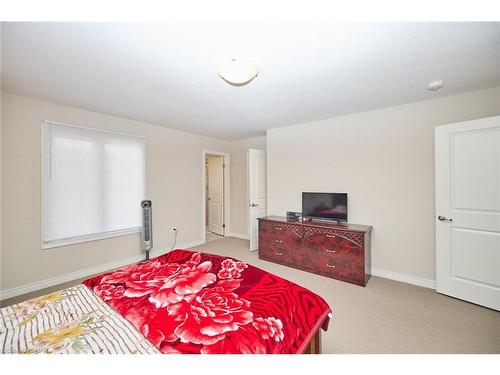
(165, 73)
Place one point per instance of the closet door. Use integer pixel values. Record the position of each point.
(257, 193)
(215, 169)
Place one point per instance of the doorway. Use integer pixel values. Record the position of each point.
(215, 195)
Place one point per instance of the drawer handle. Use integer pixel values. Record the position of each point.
(330, 236)
(279, 241)
(330, 251)
(278, 253)
(330, 265)
(279, 228)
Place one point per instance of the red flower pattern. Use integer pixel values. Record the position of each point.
(231, 269)
(187, 281)
(269, 328)
(187, 309)
(122, 275)
(109, 291)
(148, 280)
(210, 314)
(157, 326)
(183, 307)
(166, 283)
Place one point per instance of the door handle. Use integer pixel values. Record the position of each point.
(444, 218)
(253, 204)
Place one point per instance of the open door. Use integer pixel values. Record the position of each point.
(215, 172)
(257, 192)
(468, 211)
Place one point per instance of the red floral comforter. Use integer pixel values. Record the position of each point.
(190, 302)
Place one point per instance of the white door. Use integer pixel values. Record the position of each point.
(257, 192)
(215, 170)
(468, 211)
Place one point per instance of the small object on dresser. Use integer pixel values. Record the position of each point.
(293, 216)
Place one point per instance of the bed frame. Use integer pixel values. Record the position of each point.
(314, 346)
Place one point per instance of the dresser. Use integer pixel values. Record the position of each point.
(339, 251)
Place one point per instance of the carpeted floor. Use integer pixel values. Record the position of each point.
(385, 317)
(210, 236)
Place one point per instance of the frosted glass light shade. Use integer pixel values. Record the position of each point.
(238, 72)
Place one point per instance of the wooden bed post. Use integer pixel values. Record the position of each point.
(315, 344)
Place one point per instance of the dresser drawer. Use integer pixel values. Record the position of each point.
(276, 251)
(325, 243)
(340, 268)
(329, 243)
(280, 229)
(282, 248)
(326, 265)
(269, 239)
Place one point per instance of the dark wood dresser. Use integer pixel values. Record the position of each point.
(339, 251)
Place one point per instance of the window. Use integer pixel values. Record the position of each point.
(93, 182)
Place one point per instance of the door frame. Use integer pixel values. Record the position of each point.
(226, 174)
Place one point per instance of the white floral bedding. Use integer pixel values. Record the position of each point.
(72, 320)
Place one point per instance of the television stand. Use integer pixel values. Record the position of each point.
(338, 251)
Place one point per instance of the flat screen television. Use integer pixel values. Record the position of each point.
(326, 206)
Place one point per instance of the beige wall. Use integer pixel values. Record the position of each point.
(384, 159)
(239, 177)
(174, 183)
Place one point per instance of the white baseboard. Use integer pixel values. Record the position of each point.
(404, 278)
(238, 235)
(13, 292)
(190, 244)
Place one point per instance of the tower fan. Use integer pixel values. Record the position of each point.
(147, 227)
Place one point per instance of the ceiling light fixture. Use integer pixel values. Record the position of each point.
(435, 85)
(238, 72)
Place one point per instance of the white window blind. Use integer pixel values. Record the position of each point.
(93, 182)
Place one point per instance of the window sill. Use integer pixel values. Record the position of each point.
(89, 238)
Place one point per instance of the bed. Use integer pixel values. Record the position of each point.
(180, 302)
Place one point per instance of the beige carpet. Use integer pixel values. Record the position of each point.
(385, 317)
(210, 236)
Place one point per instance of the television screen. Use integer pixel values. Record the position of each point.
(331, 206)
